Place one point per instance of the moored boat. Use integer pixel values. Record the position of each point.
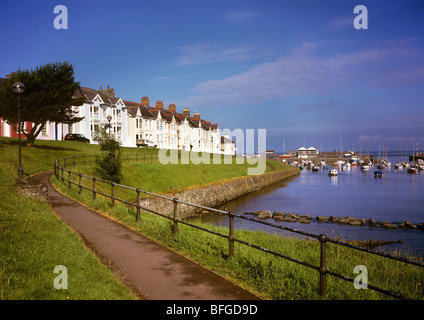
(412, 170)
(378, 174)
(333, 173)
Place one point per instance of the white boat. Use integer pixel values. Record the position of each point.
(333, 173)
(365, 167)
(398, 166)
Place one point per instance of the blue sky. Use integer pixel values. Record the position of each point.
(296, 68)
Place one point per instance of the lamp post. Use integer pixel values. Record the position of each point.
(18, 88)
(109, 118)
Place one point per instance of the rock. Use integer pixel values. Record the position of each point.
(289, 219)
(363, 221)
(256, 212)
(408, 224)
(372, 221)
(292, 215)
(355, 223)
(421, 225)
(322, 218)
(306, 216)
(304, 220)
(279, 214)
(265, 214)
(333, 218)
(387, 225)
(343, 220)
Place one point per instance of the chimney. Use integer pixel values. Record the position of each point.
(145, 101)
(8, 76)
(196, 115)
(110, 92)
(186, 111)
(159, 105)
(172, 107)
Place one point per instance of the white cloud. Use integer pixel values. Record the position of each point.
(160, 79)
(304, 72)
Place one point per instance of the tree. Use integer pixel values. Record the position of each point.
(108, 166)
(48, 97)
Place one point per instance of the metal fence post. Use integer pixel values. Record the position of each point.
(94, 188)
(79, 183)
(231, 234)
(113, 193)
(69, 179)
(323, 266)
(62, 174)
(175, 200)
(138, 204)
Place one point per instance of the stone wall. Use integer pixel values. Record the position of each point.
(30, 187)
(215, 194)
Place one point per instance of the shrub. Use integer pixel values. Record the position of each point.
(109, 165)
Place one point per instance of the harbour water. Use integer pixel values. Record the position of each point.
(395, 197)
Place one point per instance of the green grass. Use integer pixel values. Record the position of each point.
(33, 240)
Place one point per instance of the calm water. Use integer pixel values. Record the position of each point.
(395, 197)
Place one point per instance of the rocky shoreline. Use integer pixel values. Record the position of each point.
(306, 219)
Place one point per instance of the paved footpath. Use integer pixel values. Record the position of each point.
(151, 270)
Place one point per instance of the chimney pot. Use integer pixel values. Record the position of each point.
(172, 107)
(159, 104)
(145, 101)
(186, 111)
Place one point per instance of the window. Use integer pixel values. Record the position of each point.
(94, 112)
(44, 131)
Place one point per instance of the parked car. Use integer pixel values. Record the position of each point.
(76, 137)
(146, 143)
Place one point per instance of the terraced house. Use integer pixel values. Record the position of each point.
(133, 121)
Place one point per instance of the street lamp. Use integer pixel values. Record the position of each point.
(178, 141)
(109, 118)
(18, 88)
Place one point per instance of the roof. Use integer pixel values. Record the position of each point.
(91, 94)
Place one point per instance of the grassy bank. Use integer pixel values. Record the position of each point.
(33, 241)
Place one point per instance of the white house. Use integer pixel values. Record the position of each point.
(131, 121)
(101, 104)
(311, 152)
